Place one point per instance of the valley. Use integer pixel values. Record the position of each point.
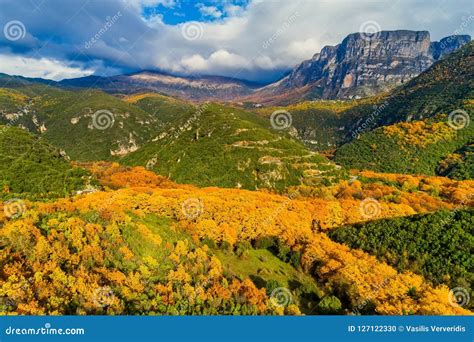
(157, 194)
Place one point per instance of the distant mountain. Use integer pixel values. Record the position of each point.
(19, 81)
(191, 88)
(360, 66)
(446, 86)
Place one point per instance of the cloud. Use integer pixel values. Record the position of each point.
(233, 10)
(209, 11)
(301, 49)
(153, 3)
(219, 60)
(259, 41)
(40, 68)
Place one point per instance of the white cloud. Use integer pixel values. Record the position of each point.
(40, 68)
(220, 59)
(301, 49)
(233, 10)
(151, 3)
(194, 63)
(296, 31)
(209, 11)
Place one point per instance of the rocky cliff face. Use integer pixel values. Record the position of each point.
(363, 65)
(447, 45)
(359, 66)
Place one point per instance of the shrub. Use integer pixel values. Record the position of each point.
(242, 247)
(271, 285)
(265, 242)
(330, 305)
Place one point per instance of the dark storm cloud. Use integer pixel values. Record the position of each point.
(260, 42)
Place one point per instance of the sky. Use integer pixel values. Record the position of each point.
(257, 40)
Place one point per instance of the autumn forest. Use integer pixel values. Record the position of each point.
(144, 201)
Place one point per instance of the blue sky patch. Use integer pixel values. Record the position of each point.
(184, 11)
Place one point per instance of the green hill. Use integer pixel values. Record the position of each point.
(228, 147)
(208, 146)
(324, 124)
(165, 108)
(439, 245)
(459, 164)
(88, 124)
(29, 167)
(417, 147)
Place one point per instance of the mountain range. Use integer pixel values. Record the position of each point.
(190, 88)
(230, 146)
(135, 195)
(361, 65)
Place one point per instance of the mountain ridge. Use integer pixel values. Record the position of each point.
(188, 87)
(422, 127)
(360, 66)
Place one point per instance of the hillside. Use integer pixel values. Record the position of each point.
(425, 121)
(87, 125)
(459, 164)
(227, 147)
(30, 167)
(324, 124)
(165, 108)
(446, 86)
(182, 140)
(437, 245)
(154, 247)
(416, 147)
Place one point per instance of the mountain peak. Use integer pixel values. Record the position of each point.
(390, 35)
(362, 65)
